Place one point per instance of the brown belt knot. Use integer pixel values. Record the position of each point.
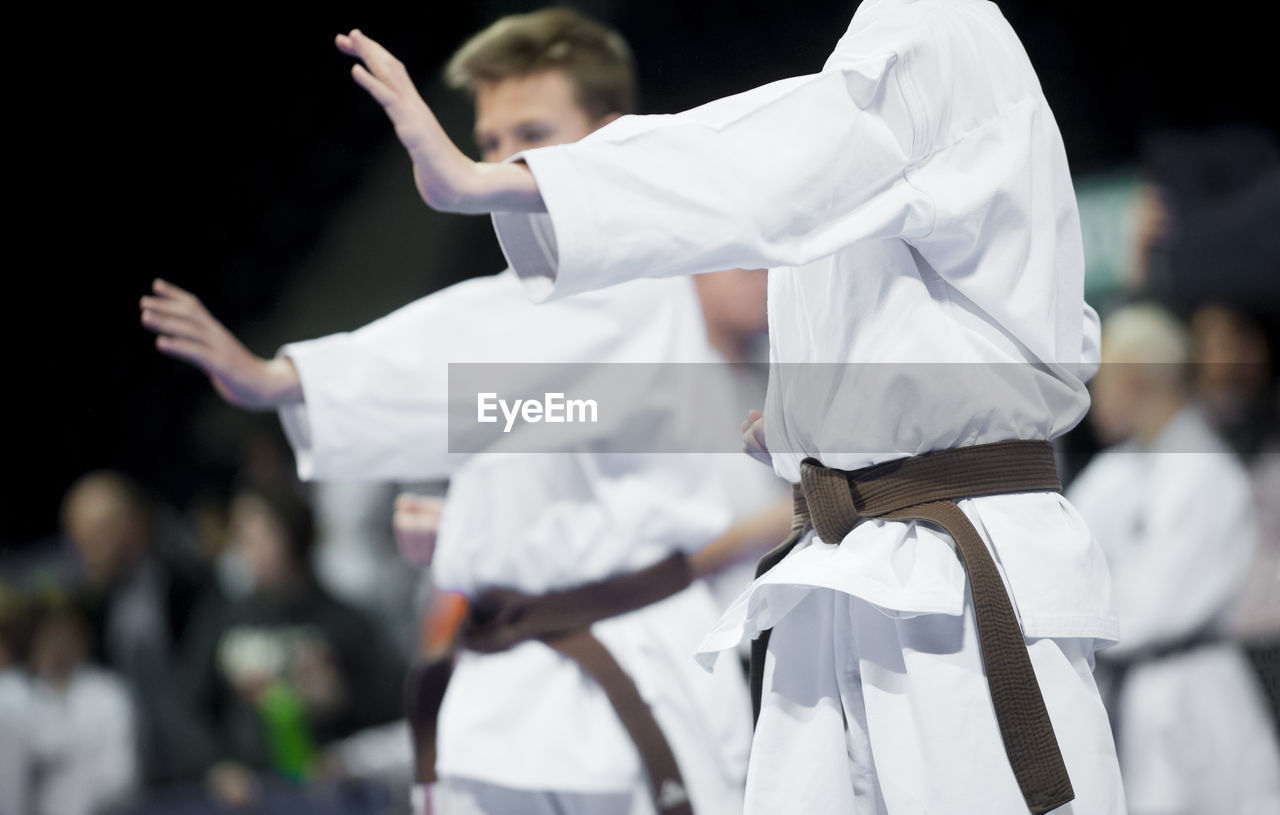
(925, 489)
(503, 618)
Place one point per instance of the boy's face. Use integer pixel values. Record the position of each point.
(524, 112)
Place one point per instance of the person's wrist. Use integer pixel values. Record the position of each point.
(279, 383)
(449, 183)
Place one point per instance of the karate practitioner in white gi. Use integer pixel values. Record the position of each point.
(1172, 508)
(913, 203)
(525, 731)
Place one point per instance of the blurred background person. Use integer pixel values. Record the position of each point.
(1172, 507)
(15, 705)
(285, 670)
(1235, 385)
(355, 555)
(141, 574)
(1233, 376)
(81, 745)
(1210, 213)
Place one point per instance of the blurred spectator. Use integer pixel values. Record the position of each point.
(1172, 509)
(143, 573)
(15, 704)
(81, 747)
(208, 517)
(1256, 617)
(284, 670)
(1233, 382)
(1233, 376)
(1212, 216)
(355, 556)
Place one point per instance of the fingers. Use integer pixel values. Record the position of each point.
(166, 289)
(174, 302)
(416, 521)
(417, 517)
(410, 502)
(171, 325)
(370, 51)
(753, 439)
(377, 59)
(381, 93)
(176, 313)
(192, 351)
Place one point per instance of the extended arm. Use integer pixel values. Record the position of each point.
(397, 399)
(774, 176)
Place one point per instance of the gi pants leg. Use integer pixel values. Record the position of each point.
(869, 714)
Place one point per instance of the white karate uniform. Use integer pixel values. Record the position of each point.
(526, 721)
(913, 203)
(82, 744)
(15, 741)
(1177, 523)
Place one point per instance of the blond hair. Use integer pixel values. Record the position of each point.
(1146, 335)
(596, 58)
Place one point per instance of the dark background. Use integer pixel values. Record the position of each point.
(225, 148)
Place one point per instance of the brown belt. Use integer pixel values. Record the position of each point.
(926, 488)
(502, 618)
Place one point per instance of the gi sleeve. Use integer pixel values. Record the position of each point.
(377, 401)
(776, 176)
(914, 105)
(926, 126)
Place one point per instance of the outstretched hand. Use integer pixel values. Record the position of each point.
(446, 178)
(416, 523)
(186, 330)
(440, 169)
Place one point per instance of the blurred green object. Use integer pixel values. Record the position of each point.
(293, 748)
(1106, 204)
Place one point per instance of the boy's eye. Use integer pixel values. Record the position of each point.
(533, 134)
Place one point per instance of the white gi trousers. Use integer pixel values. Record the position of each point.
(869, 714)
(460, 796)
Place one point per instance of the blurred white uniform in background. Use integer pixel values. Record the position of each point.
(15, 739)
(377, 407)
(83, 747)
(1177, 523)
(914, 205)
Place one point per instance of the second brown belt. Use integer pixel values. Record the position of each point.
(926, 488)
(500, 619)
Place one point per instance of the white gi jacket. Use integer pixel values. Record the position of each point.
(913, 203)
(15, 741)
(376, 407)
(83, 744)
(1177, 524)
